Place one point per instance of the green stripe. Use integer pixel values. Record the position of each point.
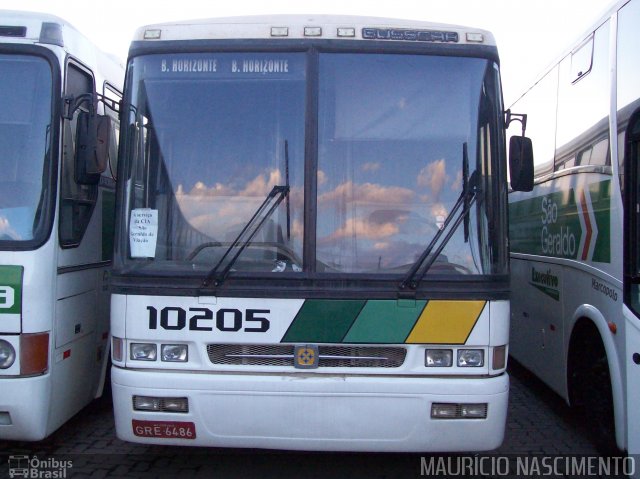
(323, 321)
(385, 322)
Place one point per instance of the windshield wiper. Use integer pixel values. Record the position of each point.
(451, 224)
(269, 205)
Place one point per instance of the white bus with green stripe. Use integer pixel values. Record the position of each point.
(311, 246)
(574, 238)
(57, 195)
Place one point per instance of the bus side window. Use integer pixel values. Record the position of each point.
(77, 201)
(628, 75)
(582, 133)
(540, 104)
(114, 95)
(582, 60)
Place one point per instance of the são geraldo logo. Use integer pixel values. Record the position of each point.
(556, 242)
(569, 227)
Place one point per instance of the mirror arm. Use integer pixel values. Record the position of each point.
(521, 117)
(109, 102)
(71, 103)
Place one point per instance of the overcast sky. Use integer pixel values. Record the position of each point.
(530, 34)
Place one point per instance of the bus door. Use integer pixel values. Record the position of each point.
(81, 326)
(632, 281)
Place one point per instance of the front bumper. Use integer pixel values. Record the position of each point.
(24, 407)
(316, 412)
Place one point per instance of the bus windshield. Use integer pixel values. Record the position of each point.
(25, 136)
(369, 148)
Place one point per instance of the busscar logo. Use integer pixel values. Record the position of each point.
(306, 357)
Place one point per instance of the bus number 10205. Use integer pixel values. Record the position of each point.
(174, 318)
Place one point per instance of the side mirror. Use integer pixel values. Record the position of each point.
(521, 163)
(92, 147)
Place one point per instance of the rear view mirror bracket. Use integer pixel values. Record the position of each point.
(511, 117)
(520, 155)
(71, 104)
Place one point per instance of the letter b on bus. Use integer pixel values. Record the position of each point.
(7, 297)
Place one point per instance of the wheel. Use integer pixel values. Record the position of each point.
(590, 389)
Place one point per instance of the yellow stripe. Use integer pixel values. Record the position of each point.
(446, 322)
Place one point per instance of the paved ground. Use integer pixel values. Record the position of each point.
(539, 423)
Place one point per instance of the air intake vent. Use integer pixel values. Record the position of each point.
(13, 31)
(330, 356)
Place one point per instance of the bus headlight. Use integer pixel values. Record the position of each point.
(7, 354)
(174, 353)
(143, 351)
(438, 358)
(470, 358)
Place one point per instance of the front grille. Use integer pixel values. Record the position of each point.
(251, 354)
(330, 356)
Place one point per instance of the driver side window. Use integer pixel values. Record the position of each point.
(77, 201)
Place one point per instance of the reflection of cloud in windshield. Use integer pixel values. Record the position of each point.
(369, 225)
(200, 189)
(363, 229)
(371, 166)
(389, 216)
(220, 210)
(457, 183)
(439, 209)
(434, 176)
(7, 230)
(368, 193)
(260, 186)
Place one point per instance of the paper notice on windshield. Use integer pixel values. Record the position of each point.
(143, 233)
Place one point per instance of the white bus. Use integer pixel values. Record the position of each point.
(57, 193)
(574, 238)
(311, 247)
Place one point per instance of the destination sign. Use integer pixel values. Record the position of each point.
(226, 65)
(409, 35)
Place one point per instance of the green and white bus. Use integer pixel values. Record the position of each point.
(575, 258)
(57, 192)
(311, 242)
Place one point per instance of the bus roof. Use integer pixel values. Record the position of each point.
(613, 7)
(323, 27)
(46, 29)
(28, 27)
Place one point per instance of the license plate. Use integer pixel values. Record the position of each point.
(164, 429)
